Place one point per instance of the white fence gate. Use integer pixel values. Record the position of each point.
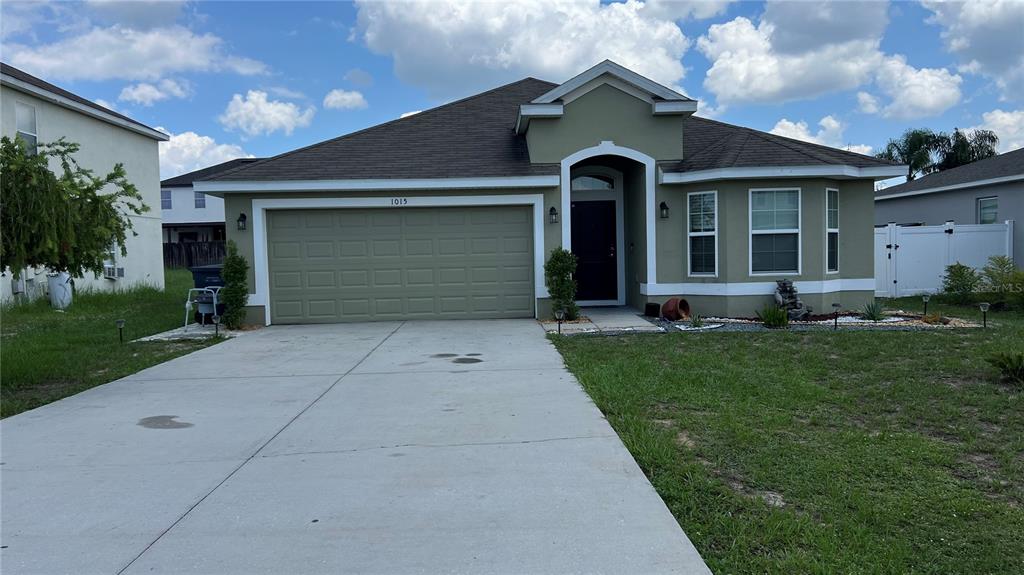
(911, 260)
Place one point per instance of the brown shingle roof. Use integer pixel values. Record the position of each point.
(205, 173)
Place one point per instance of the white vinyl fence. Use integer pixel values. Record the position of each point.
(910, 260)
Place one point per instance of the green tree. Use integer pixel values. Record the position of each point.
(66, 221)
(963, 148)
(558, 276)
(235, 293)
(915, 148)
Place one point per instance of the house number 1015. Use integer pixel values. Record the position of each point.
(399, 201)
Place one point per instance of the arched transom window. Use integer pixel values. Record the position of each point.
(593, 183)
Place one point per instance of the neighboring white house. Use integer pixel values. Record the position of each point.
(41, 112)
(190, 216)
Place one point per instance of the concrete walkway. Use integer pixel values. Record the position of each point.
(615, 319)
(420, 447)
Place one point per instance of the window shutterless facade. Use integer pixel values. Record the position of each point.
(200, 199)
(988, 210)
(831, 230)
(702, 233)
(25, 119)
(165, 200)
(774, 231)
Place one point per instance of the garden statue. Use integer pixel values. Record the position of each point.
(786, 298)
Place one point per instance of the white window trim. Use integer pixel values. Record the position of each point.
(751, 231)
(834, 230)
(615, 194)
(170, 199)
(196, 197)
(261, 263)
(977, 208)
(691, 234)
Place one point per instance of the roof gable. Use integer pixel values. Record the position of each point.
(608, 71)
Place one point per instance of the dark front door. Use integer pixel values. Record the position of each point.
(593, 242)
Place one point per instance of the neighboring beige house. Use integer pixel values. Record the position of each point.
(452, 212)
(41, 112)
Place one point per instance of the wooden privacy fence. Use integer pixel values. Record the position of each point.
(191, 254)
(911, 260)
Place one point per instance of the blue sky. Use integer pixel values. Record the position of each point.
(261, 78)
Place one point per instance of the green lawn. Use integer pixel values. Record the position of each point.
(822, 452)
(46, 355)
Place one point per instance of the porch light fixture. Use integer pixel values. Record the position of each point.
(926, 298)
(553, 215)
(984, 313)
(835, 313)
(241, 221)
(663, 208)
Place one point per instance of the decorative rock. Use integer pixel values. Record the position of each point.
(785, 297)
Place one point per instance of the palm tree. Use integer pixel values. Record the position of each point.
(963, 148)
(914, 149)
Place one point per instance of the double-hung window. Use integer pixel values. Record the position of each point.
(775, 231)
(988, 210)
(165, 200)
(25, 119)
(200, 199)
(831, 230)
(702, 233)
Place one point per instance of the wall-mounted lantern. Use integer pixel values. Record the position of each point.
(553, 215)
(241, 222)
(663, 209)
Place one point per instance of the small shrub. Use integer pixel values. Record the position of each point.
(558, 275)
(773, 317)
(997, 277)
(872, 311)
(1010, 366)
(235, 293)
(960, 283)
(696, 321)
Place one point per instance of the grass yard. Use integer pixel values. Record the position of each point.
(822, 452)
(46, 355)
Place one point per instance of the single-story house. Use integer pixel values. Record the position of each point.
(988, 191)
(191, 216)
(40, 112)
(451, 213)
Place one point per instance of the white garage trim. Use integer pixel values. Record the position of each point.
(261, 265)
(757, 288)
(607, 148)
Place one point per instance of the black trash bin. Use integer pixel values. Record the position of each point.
(207, 276)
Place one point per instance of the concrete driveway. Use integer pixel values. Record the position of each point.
(418, 447)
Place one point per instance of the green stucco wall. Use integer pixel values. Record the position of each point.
(605, 114)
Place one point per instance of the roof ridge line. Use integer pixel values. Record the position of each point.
(418, 115)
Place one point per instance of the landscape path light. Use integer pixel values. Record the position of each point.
(984, 313)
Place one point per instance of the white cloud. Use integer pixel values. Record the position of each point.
(685, 9)
(255, 114)
(136, 13)
(189, 151)
(867, 103)
(987, 36)
(359, 77)
(746, 67)
(916, 93)
(286, 92)
(106, 104)
(452, 48)
(344, 100)
(706, 110)
(411, 113)
(1009, 126)
(146, 94)
(830, 133)
(124, 53)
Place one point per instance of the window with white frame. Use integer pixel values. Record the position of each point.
(702, 232)
(25, 119)
(988, 210)
(832, 230)
(775, 231)
(200, 200)
(165, 200)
